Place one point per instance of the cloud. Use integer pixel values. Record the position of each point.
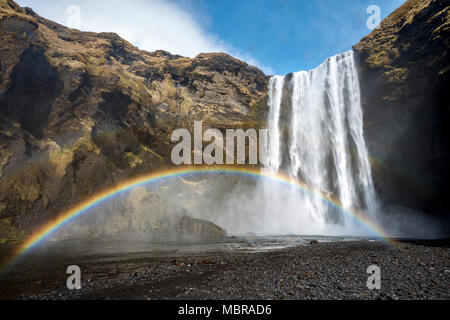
(150, 25)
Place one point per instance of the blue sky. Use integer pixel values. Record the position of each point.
(279, 36)
(292, 35)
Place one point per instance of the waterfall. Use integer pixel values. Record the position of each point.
(316, 136)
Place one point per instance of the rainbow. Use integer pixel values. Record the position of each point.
(78, 210)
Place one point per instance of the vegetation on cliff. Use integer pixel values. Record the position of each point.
(81, 111)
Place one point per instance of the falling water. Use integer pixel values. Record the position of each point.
(316, 136)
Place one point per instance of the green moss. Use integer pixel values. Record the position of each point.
(257, 116)
(260, 106)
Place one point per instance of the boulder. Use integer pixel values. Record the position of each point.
(188, 227)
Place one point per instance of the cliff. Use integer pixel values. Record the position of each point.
(404, 74)
(81, 111)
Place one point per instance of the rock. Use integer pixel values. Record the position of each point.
(313, 242)
(404, 75)
(197, 228)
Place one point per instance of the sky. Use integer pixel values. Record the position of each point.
(277, 36)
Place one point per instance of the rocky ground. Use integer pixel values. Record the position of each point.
(413, 270)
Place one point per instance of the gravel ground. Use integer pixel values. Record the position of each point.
(413, 270)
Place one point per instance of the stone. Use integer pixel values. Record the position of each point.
(404, 75)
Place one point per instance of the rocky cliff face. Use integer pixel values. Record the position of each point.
(404, 73)
(81, 111)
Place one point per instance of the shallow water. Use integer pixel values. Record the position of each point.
(116, 251)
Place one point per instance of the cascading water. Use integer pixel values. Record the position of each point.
(316, 136)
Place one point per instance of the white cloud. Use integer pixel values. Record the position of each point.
(148, 24)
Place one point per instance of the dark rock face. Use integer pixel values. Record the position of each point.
(404, 74)
(34, 82)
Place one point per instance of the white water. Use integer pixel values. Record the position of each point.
(316, 136)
